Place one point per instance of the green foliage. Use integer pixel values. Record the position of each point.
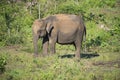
(17, 17)
(102, 21)
(22, 65)
(2, 63)
(68, 7)
(14, 39)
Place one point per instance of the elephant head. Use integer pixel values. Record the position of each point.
(40, 29)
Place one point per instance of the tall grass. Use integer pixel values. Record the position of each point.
(21, 65)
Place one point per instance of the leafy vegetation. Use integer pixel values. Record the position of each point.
(61, 66)
(2, 63)
(102, 21)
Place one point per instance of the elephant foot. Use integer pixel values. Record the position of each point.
(35, 55)
(44, 54)
(50, 54)
(77, 59)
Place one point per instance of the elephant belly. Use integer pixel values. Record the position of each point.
(66, 38)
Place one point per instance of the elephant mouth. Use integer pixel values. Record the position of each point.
(41, 36)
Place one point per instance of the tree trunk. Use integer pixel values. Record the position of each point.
(39, 9)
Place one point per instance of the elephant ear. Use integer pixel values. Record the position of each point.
(49, 27)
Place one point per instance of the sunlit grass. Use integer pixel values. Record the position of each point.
(21, 65)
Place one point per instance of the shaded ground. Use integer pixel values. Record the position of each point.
(83, 55)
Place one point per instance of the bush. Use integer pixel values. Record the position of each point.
(14, 39)
(2, 64)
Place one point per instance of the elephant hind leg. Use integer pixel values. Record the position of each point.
(77, 46)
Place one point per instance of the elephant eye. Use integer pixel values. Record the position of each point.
(39, 31)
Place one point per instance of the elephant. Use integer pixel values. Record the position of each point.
(61, 29)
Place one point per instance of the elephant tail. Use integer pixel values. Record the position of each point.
(84, 34)
(84, 39)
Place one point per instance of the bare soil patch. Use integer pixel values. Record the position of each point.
(115, 64)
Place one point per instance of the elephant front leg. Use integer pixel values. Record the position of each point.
(45, 46)
(52, 46)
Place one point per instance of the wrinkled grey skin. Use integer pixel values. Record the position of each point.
(59, 28)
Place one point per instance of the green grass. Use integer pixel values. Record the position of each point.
(21, 65)
(102, 62)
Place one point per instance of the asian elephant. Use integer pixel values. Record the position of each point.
(59, 28)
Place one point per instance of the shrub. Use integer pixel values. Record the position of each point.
(14, 39)
(2, 64)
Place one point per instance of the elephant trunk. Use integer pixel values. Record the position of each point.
(35, 40)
